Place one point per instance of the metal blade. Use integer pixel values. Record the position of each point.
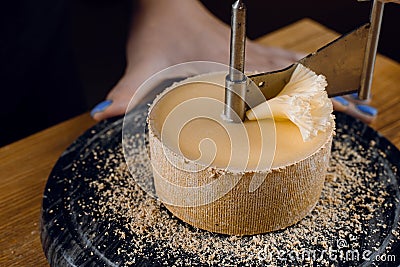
(340, 61)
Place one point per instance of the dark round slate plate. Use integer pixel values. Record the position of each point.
(73, 235)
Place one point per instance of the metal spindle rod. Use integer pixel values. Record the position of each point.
(236, 81)
(371, 49)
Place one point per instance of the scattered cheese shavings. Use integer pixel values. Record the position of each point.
(303, 101)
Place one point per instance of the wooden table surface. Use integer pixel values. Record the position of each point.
(26, 164)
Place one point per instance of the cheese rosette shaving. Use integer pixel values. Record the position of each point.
(303, 101)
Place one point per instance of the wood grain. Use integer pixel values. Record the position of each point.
(26, 164)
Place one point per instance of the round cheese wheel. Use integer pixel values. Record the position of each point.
(231, 178)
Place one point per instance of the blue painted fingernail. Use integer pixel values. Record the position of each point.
(100, 107)
(354, 95)
(367, 110)
(341, 100)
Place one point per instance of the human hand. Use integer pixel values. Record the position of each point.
(162, 35)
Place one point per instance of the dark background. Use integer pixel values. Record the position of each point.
(92, 32)
(60, 58)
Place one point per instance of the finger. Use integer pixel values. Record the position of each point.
(107, 109)
(354, 99)
(340, 104)
(100, 107)
(365, 113)
(123, 96)
(116, 101)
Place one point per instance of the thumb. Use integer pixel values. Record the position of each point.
(116, 102)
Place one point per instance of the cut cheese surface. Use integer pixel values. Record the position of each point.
(187, 119)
